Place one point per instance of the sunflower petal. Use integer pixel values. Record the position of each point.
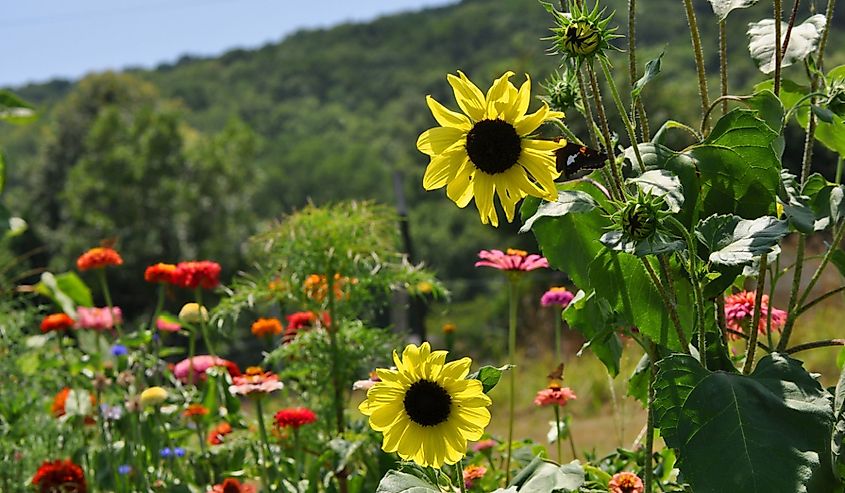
(520, 101)
(447, 117)
(497, 95)
(542, 168)
(460, 188)
(468, 96)
(443, 168)
(436, 140)
(483, 191)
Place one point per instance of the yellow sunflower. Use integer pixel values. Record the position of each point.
(489, 149)
(427, 408)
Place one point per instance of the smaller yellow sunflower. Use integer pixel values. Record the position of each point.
(490, 148)
(427, 409)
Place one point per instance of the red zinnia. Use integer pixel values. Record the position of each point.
(60, 475)
(232, 485)
(294, 417)
(195, 411)
(303, 320)
(160, 272)
(217, 434)
(56, 321)
(203, 273)
(97, 258)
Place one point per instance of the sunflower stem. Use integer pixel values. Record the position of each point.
(512, 313)
(608, 142)
(459, 474)
(723, 63)
(632, 136)
(667, 302)
(587, 109)
(699, 60)
(755, 318)
(649, 438)
(778, 11)
(823, 41)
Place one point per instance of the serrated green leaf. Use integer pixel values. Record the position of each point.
(802, 41)
(795, 205)
(401, 482)
(638, 381)
(652, 70)
(595, 320)
(568, 201)
(655, 245)
(764, 432)
(677, 376)
(489, 376)
(735, 241)
(724, 7)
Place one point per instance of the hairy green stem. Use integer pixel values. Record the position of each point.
(649, 437)
(608, 142)
(789, 26)
(632, 136)
(512, 313)
(723, 63)
(792, 306)
(588, 110)
(558, 440)
(699, 59)
(698, 295)
(834, 247)
(778, 11)
(823, 41)
(720, 319)
(667, 302)
(772, 284)
(815, 344)
(755, 318)
(265, 445)
(745, 336)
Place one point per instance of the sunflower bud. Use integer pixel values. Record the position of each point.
(581, 34)
(639, 220)
(561, 91)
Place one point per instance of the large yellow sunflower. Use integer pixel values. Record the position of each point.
(427, 408)
(489, 149)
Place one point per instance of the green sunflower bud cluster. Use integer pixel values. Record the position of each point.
(638, 227)
(581, 34)
(836, 97)
(639, 220)
(561, 91)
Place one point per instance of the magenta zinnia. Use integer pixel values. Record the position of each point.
(557, 296)
(511, 260)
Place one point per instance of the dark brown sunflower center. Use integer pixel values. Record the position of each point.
(493, 146)
(427, 403)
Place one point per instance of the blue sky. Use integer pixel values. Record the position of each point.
(44, 39)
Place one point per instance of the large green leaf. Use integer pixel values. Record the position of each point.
(732, 240)
(724, 7)
(402, 482)
(677, 376)
(802, 41)
(740, 165)
(623, 281)
(838, 437)
(570, 242)
(765, 432)
(796, 206)
(652, 70)
(662, 183)
(489, 376)
(595, 320)
(567, 201)
(540, 476)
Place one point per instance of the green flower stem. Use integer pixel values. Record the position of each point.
(558, 335)
(778, 10)
(297, 453)
(834, 247)
(699, 59)
(139, 457)
(338, 391)
(815, 344)
(632, 70)
(789, 26)
(513, 295)
(107, 443)
(558, 439)
(572, 441)
(587, 109)
(818, 300)
(745, 336)
(265, 446)
(154, 331)
(192, 348)
(204, 450)
(104, 285)
(649, 439)
(667, 302)
(459, 473)
(839, 169)
(723, 63)
(755, 318)
(203, 325)
(698, 295)
(614, 92)
(773, 281)
(616, 173)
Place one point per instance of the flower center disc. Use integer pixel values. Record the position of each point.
(427, 403)
(493, 146)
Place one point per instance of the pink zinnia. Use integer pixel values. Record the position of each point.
(513, 260)
(255, 381)
(98, 318)
(166, 326)
(471, 473)
(626, 482)
(739, 311)
(484, 445)
(554, 396)
(201, 363)
(559, 296)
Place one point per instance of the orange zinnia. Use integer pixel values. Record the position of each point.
(195, 411)
(266, 327)
(160, 272)
(217, 434)
(98, 258)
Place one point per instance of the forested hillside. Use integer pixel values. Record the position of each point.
(321, 116)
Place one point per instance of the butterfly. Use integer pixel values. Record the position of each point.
(574, 160)
(556, 377)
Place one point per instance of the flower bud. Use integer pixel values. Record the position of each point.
(193, 313)
(153, 396)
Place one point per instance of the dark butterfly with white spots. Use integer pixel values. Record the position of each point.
(575, 160)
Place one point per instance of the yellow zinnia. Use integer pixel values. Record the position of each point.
(427, 408)
(489, 149)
